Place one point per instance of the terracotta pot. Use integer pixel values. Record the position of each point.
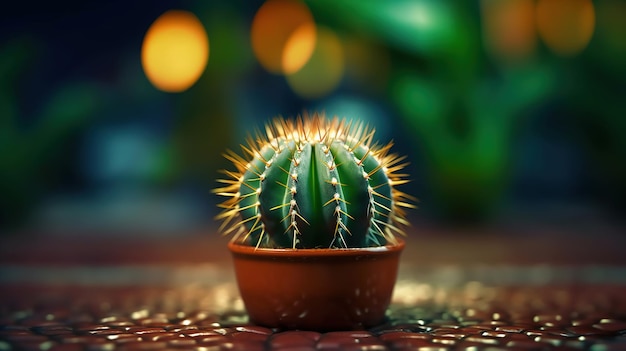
(316, 289)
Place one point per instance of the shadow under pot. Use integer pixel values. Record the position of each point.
(316, 289)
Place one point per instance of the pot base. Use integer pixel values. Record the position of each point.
(316, 289)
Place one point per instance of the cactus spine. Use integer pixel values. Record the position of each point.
(314, 183)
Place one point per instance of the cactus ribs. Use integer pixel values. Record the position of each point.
(314, 182)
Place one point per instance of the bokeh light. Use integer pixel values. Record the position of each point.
(299, 48)
(175, 51)
(324, 70)
(565, 26)
(283, 35)
(509, 28)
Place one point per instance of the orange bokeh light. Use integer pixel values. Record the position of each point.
(175, 51)
(283, 35)
(509, 28)
(566, 26)
(324, 70)
(299, 48)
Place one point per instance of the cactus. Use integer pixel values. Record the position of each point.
(314, 183)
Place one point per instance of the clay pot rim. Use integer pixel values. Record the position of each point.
(241, 249)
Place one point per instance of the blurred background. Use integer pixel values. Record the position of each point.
(114, 114)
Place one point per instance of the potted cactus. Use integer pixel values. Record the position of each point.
(315, 216)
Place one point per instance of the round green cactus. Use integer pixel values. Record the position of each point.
(314, 183)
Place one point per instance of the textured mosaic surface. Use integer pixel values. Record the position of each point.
(443, 315)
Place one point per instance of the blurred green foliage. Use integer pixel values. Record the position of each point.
(463, 110)
(29, 153)
(467, 135)
(466, 109)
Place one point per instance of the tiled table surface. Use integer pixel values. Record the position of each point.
(474, 297)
